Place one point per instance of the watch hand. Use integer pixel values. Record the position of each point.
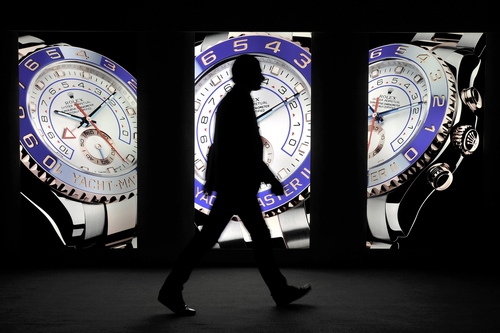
(276, 107)
(99, 149)
(399, 108)
(97, 109)
(99, 131)
(374, 116)
(71, 116)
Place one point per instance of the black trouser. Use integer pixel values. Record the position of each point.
(225, 206)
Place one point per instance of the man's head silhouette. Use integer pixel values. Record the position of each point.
(247, 73)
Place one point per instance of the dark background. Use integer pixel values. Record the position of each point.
(389, 299)
(454, 226)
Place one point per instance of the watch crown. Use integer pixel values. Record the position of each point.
(439, 176)
(465, 139)
(472, 98)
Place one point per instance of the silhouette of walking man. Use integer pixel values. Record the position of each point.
(236, 142)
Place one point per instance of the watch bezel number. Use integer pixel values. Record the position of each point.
(288, 51)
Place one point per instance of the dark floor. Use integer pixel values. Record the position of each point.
(234, 299)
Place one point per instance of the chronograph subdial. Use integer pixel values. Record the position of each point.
(95, 148)
(268, 155)
(377, 140)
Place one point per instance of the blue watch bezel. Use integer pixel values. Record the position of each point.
(68, 180)
(426, 143)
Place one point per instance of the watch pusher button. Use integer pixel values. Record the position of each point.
(466, 139)
(439, 176)
(472, 98)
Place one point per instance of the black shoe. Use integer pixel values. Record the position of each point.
(290, 294)
(174, 301)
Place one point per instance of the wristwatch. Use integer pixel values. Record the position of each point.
(78, 141)
(283, 111)
(423, 106)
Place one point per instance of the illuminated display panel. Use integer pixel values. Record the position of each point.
(283, 111)
(78, 139)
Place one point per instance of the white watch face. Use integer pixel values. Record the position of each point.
(78, 122)
(410, 112)
(282, 107)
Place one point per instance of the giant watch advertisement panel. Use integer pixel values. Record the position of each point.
(425, 93)
(78, 139)
(283, 110)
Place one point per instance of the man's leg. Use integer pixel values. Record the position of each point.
(262, 246)
(171, 291)
(282, 293)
